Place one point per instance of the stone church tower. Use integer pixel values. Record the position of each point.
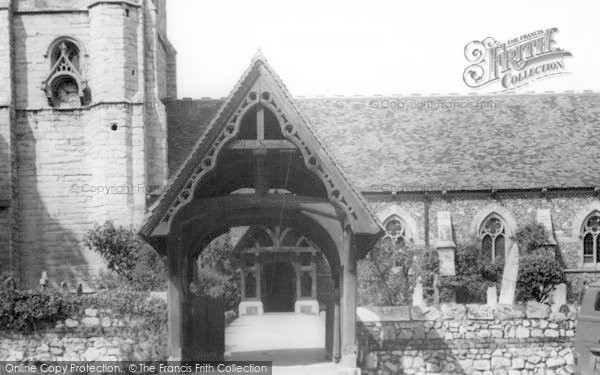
(83, 135)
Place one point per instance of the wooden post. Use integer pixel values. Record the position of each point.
(243, 281)
(348, 313)
(176, 297)
(298, 272)
(258, 266)
(313, 275)
(336, 352)
(329, 327)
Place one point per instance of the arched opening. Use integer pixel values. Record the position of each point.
(397, 234)
(493, 237)
(260, 145)
(590, 234)
(64, 85)
(71, 51)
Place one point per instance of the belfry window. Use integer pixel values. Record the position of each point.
(591, 239)
(493, 237)
(65, 86)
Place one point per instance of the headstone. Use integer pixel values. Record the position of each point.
(559, 294)
(418, 299)
(492, 296)
(10, 283)
(436, 289)
(44, 280)
(509, 276)
(446, 257)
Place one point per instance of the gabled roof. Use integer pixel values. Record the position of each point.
(474, 142)
(184, 177)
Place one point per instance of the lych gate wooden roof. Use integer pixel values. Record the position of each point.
(222, 131)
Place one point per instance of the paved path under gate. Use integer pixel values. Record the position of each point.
(294, 342)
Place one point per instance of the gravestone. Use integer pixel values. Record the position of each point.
(492, 296)
(559, 294)
(418, 299)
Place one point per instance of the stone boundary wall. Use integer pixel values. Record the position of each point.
(467, 339)
(97, 335)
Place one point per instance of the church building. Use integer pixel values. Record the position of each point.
(90, 127)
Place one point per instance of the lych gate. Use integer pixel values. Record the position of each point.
(260, 164)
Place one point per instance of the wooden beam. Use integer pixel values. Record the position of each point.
(264, 144)
(260, 123)
(280, 249)
(260, 180)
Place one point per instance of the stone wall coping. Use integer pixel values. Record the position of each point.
(531, 310)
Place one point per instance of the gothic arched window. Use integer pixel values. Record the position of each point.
(591, 239)
(397, 234)
(64, 85)
(493, 237)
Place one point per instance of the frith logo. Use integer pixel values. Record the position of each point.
(515, 63)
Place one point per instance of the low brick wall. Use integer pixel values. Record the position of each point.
(95, 335)
(467, 339)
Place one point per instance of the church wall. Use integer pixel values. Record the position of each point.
(564, 210)
(81, 166)
(54, 167)
(33, 34)
(49, 5)
(8, 226)
(155, 109)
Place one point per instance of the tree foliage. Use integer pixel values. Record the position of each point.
(118, 246)
(531, 237)
(538, 275)
(538, 271)
(218, 273)
(474, 274)
(129, 261)
(386, 277)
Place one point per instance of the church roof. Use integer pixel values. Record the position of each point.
(415, 143)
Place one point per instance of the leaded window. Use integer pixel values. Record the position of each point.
(591, 239)
(493, 237)
(396, 234)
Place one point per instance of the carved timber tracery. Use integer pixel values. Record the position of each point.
(290, 131)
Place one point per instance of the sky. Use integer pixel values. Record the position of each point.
(370, 47)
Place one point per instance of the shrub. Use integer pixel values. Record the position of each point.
(117, 246)
(150, 272)
(28, 310)
(531, 237)
(214, 284)
(150, 338)
(538, 275)
(131, 263)
(218, 274)
(386, 276)
(474, 274)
